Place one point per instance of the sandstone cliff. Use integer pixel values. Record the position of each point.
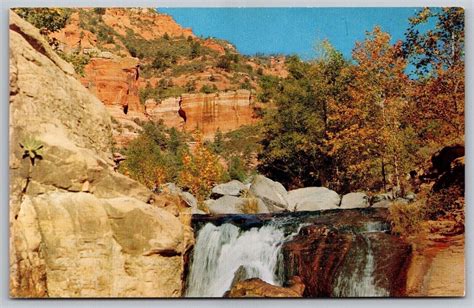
(225, 111)
(77, 228)
(114, 81)
(104, 38)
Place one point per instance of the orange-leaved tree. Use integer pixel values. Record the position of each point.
(201, 170)
(367, 138)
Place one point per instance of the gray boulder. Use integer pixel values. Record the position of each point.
(235, 205)
(355, 200)
(232, 188)
(382, 204)
(272, 193)
(196, 211)
(190, 200)
(313, 199)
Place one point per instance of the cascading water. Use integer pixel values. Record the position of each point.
(220, 251)
(359, 281)
(273, 249)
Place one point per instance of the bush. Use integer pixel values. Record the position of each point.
(207, 89)
(223, 62)
(155, 156)
(237, 170)
(46, 19)
(79, 61)
(406, 218)
(250, 206)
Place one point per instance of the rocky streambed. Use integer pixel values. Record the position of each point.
(332, 253)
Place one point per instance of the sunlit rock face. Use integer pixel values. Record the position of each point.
(114, 81)
(77, 227)
(224, 111)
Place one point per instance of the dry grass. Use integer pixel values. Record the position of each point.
(406, 218)
(250, 206)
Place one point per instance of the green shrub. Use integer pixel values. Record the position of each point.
(237, 169)
(208, 89)
(155, 156)
(46, 19)
(78, 60)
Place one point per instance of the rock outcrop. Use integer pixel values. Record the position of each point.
(225, 111)
(311, 256)
(437, 265)
(78, 228)
(235, 205)
(115, 82)
(255, 287)
(232, 188)
(153, 26)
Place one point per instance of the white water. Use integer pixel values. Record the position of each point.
(220, 251)
(361, 281)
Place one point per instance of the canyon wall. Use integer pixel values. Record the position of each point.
(77, 227)
(114, 81)
(225, 111)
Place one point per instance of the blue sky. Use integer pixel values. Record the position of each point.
(291, 30)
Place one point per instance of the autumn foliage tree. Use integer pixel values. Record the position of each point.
(367, 139)
(437, 55)
(201, 170)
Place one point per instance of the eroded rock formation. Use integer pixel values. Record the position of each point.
(78, 228)
(225, 111)
(115, 82)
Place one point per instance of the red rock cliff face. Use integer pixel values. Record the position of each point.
(225, 111)
(115, 82)
(152, 25)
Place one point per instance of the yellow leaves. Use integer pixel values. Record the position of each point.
(201, 170)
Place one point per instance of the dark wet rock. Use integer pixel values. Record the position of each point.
(319, 254)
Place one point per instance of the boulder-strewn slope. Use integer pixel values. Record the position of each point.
(78, 228)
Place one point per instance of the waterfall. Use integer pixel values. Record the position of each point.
(358, 280)
(220, 251)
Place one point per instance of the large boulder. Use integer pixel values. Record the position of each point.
(255, 287)
(235, 205)
(77, 227)
(313, 199)
(272, 193)
(355, 200)
(232, 188)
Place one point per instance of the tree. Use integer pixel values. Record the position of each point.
(367, 139)
(201, 170)
(218, 144)
(435, 49)
(438, 57)
(294, 142)
(195, 50)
